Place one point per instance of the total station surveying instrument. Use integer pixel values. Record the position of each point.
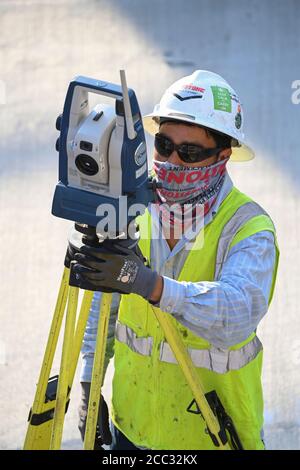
(102, 160)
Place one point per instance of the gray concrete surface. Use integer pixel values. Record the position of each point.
(43, 44)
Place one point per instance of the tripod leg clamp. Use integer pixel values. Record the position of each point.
(225, 421)
(35, 419)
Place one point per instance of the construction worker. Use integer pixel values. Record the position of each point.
(215, 282)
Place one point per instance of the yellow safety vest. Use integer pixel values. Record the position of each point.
(150, 394)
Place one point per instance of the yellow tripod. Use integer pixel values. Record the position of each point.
(46, 418)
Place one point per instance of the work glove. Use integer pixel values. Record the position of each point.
(120, 269)
(72, 249)
(103, 434)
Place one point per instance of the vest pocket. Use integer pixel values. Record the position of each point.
(133, 312)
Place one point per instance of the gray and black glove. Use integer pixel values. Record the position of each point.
(121, 270)
(103, 434)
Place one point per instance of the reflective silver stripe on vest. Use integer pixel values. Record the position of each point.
(241, 216)
(214, 359)
(126, 335)
(217, 359)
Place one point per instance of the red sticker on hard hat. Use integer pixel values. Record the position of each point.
(189, 92)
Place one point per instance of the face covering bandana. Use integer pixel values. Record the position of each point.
(184, 189)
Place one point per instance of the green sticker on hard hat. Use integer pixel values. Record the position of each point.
(222, 99)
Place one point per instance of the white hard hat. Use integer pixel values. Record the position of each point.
(206, 99)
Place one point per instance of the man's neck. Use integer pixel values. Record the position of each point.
(171, 240)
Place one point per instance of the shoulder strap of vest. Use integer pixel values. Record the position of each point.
(243, 214)
(144, 224)
(250, 218)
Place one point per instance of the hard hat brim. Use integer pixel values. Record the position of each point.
(242, 153)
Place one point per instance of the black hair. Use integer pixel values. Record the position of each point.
(222, 140)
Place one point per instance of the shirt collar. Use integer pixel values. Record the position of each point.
(223, 193)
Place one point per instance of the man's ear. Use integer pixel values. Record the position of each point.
(224, 154)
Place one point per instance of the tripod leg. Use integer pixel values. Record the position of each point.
(98, 372)
(63, 382)
(40, 417)
(80, 329)
(188, 369)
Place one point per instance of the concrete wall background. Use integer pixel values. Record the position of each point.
(43, 44)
